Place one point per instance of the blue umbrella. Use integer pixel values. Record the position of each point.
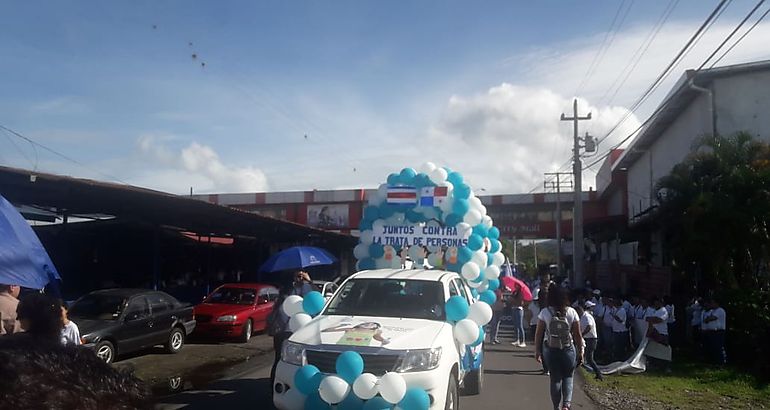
(297, 257)
(23, 260)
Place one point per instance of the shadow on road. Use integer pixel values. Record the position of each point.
(224, 394)
(509, 372)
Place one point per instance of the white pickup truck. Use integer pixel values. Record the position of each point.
(395, 319)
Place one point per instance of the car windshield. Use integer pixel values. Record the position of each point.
(98, 307)
(417, 299)
(233, 296)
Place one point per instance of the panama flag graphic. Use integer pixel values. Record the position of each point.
(433, 196)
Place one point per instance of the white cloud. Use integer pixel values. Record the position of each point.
(195, 165)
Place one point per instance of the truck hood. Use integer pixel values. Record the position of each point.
(381, 332)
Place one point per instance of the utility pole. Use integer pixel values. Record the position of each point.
(534, 245)
(557, 185)
(578, 280)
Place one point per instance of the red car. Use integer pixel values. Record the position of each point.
(235, 310)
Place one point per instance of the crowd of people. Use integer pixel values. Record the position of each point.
(44, 366)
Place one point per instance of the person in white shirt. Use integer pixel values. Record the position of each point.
(671, 315)
(588, 330)
(713, 326)
(619, 331)
(534, 310)
(657, 319)
(70, 334)
(696, 317)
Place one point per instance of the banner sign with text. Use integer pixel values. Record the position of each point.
(420, 235)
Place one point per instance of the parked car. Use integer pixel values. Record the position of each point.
(118, 321)
(236, 310)
(395, 320)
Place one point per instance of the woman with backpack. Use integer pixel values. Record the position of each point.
(278, 328)
(559, 342)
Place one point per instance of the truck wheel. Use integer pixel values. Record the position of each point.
(105, 351)
(452, 396)
(175, 340)
(474, 381)
(248, 329)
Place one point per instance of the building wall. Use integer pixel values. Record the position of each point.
(742, 104)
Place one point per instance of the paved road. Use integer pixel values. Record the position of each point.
(512, 380)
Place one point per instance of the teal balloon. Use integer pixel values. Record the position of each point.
(386, 211)
(349, 366)
(456, 308)
(422, 180)
(480, 339)
(475, 242)
(371, 212)
(494, 246)
(490, 258)
(377, 403)
(376, 251)
(407, 175)
(480, 279)
(448, 170)
(394, 179)
(413, 216)
(464, 255)
(455, 178)
(453, 267)
(488, 297)
(367, 264)
(494, 284)
(315, 402)
(494, 233)
(460, 207)
(415, 399)
(475, 293)
(481, 230)
(453, 219)
(365, 225)
(462, 191)
(351, 402)
(313, 303)
(305, 379)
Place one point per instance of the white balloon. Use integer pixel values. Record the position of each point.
(361, 251)
(294, 399)
(438, 175)
(470, 271)
(382, 190)
(482, 210)
(416, 252)
(483, 287)
(395, 263)
(475, 203)
(299, 320)
(381, 263)
(473, 283)
(333, 389)
(472, 217)
(466, 331)
(498, 259)
(480, 312)
(463, 229)
(434, 260)
(292, 305)
(365, 386)
(432, 224)
(427, 168)
(492, 272)
(367, 237)
(479, 258)
(487, 221)
(431, 213)
(399, 218)
(375, 199)
(393, 387)
(378, 225)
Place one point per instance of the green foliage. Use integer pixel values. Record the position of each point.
(715, 211)
(748, 329)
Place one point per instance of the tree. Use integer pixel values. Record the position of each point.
(715, 210)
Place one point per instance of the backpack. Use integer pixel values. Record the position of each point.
(559, 336)
(274, 322)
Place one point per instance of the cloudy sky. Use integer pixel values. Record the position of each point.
(243, 96)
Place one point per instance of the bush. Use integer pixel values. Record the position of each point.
(748, 329)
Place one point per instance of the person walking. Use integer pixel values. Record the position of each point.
(534, 310)
(9, 301)
(713, 326)
(563, 350)
(497, 315)
(588, 330)
(278, 328)
(518, 320)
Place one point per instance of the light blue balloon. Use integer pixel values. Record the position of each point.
(456, 308)
(313, 303)
(475, 242)
(494, 233)
(415, 399)
(376, 251)
(494, 246)
(305, 379)
(462, 191)
(494, 284)
(394, 179)
(460, 206)
(488, 297)
(480, 339)
(481, 230)
(464, 255)
(315, 402)
(474, 293)
(349, 366)
(455, 178)
(377, 403)
(351, 402)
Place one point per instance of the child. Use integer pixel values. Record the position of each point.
(70, 334)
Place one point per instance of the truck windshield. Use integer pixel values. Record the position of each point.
(417, 299)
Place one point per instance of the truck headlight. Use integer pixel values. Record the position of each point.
(420, 360)
(293, 353)
(226, 318)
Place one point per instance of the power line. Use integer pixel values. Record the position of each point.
(740, 38)
(59, 154)
(732, 33)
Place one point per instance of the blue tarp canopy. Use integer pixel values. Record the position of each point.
(23, 260)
